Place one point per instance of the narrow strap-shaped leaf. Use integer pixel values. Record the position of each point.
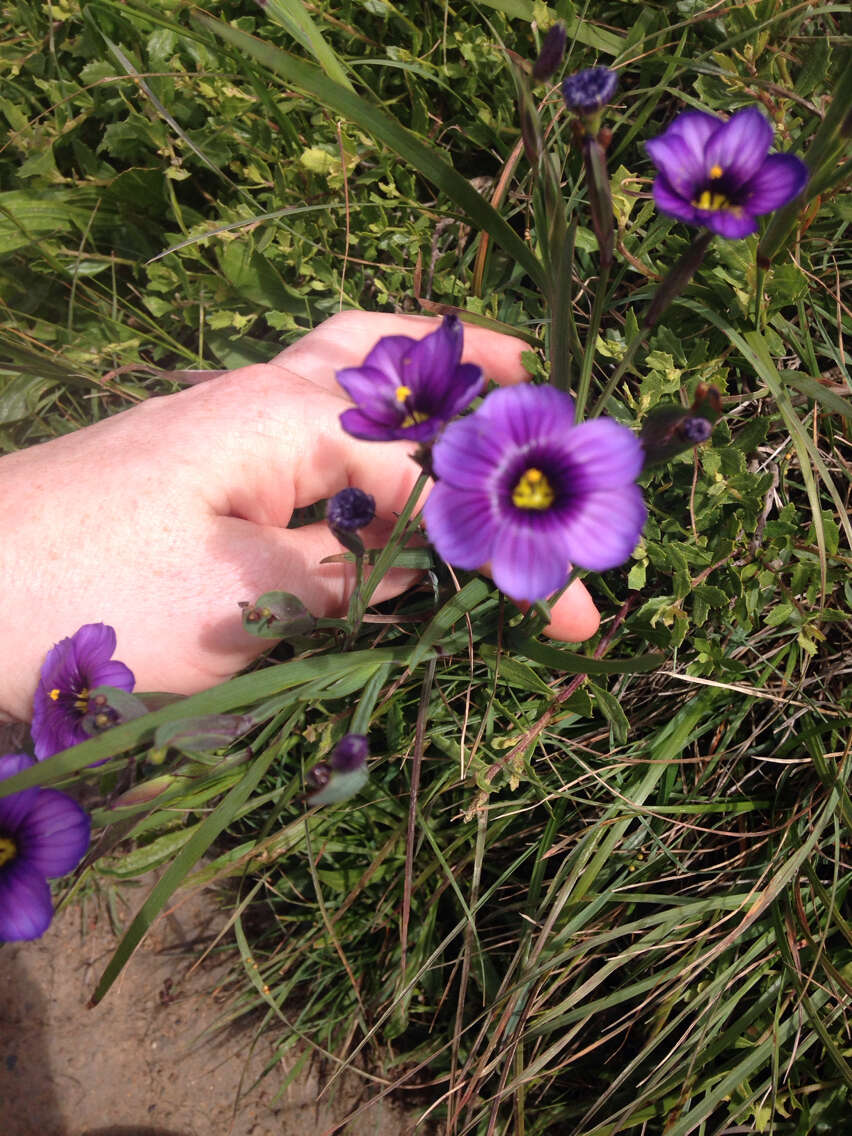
(471, 594)
(570, 662)
(189, 855)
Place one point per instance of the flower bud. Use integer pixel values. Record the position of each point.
(587, 91)
(551, 54)
(277, 615)
(350, 510)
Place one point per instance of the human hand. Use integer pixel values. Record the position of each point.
(159, 520)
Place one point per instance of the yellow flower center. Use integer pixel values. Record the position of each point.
(716, 171)
(402, 393)
(81, 702)
(53, 695)
(8, 849)
(709, 200)
(533, 491)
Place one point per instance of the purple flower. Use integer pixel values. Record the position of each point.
(43, 834)
(408, 388)
(524, 489)
(73, 667)
(720, 174)
(350, 510)
(343, 775)
(590, 89)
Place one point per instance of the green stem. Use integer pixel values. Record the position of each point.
(591, 342)
(361, 597)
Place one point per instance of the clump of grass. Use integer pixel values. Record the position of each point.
(579, 895)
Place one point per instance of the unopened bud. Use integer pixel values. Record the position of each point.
(551, 54)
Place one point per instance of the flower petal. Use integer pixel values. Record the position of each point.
(603, 454)
(111, 673)
(92, 643)
(527, 564)
(779, 180)
(461, 525)
(14, 808)
(727, 223)
(388, 357)
(55, 835)
(437, 354)
(526, 413)
(739, 148)
(669, 201)
(359, 425)
(605, 528)
(373, 390)
(469, 453)
(26, 907)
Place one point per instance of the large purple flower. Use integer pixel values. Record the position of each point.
(524, 489)
(719, 174)
(43, 834)
(73, 668)
(408, 388)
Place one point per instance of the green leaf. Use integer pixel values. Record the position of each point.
(558, 659)
(610, 707)
(425, 159)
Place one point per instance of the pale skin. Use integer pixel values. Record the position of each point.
(161, 519)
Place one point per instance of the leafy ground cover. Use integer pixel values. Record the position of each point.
(592, 892)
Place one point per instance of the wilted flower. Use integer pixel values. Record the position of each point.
(43, 833)
(552, 51)
(343, 775)
(524, 490)
(349, 754)
(73, 668)
(350, 510)
(408, 388)
(590, 89)
(720, 174)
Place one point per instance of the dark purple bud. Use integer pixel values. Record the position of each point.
(350, 510)
(277, 615)
(320, 775)
(695, 430)
(552, 51)
(350, 753)
(589, 90)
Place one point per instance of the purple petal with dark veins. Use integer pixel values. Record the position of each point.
(605, 528)
(528, 564)
(525, 412)
(14, 808)
(26, 908)
(779, 180)
(461, 524)
(603, 455)
(373, 390)
(733, 225)
(469, 452)
(55, 835)
(672, 203)
(739, 148)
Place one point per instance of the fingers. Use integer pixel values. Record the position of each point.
(268, 558)
(574, 617)
(345, 340)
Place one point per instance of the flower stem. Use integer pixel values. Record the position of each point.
(364, 589)
(670, 288)
(591, 342)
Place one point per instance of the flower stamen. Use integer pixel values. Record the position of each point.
(8, 849)
(533, 491)
(81, 702)
(53, 695)
(716, 172)
(402, 393)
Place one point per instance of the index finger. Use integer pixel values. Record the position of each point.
(346, 338)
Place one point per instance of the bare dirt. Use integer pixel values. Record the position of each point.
(134, 1065)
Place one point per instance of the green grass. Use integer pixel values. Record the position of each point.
(572, 898)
